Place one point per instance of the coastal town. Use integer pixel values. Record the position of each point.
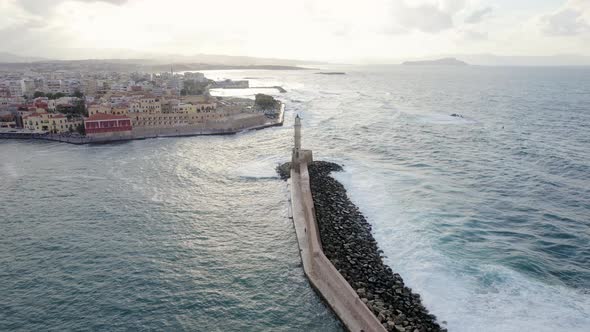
(77, 106)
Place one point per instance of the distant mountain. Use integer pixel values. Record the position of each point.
(207, 66)
(132, 65)
(112, 54)
(496, 60)
(437, 62)
(13, 58)
(505, 60)
(229, 60)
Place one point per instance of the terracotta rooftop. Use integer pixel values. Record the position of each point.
(39, 115)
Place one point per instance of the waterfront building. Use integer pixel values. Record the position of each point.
(98, 108)
(55, 104)
(42, 121)
(107, 125)
(170, 105)
(116, 109)
(120, 109)
(146, 105)
(7, 119)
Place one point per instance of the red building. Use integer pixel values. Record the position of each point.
(101, 123)
(41, 102)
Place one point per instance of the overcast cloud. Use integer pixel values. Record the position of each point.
(570, 20)
(478, 15)
(329, 30)
(43, 6)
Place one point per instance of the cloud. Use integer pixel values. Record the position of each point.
(33, 37)
(451, 6)
(114, 2)
(430, 17)
(570, 20)
(313, 29)
(478, 15)
(472, 35)
(35, 26)
(43, 6)
(567, 22)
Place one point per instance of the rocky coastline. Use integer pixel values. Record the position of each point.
(348, 243)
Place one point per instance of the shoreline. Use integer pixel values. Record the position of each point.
(348, 244)
(81, 140)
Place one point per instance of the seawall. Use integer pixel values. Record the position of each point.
(322, 274)
(219, 128)
(341, 236)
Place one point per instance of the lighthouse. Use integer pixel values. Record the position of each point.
(299, 155)
(297, 133)
(297, 147)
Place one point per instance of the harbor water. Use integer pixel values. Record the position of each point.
(475, 179)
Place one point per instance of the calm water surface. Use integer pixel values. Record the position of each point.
(486, 215)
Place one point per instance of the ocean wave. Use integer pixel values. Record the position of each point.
(466, 293)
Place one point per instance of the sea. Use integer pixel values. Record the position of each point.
(476, 181)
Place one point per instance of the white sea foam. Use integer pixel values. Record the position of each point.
(468, 295)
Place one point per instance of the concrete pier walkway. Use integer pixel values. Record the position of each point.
(322, 274)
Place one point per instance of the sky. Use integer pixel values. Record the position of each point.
(324, 30)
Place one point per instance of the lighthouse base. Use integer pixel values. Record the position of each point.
(300, 156)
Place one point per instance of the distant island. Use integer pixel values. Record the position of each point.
(437, 62)
(331, 73)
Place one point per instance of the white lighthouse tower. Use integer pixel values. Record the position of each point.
(297, 132)
(299, 155)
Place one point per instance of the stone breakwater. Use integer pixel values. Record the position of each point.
(348, 243)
